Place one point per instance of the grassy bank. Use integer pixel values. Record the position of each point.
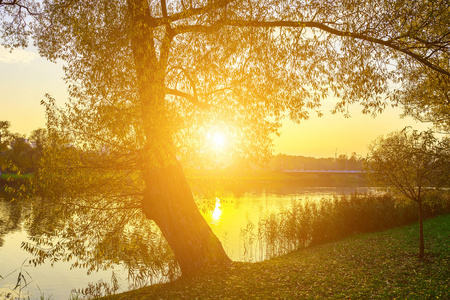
(380, 265)
(8, 178)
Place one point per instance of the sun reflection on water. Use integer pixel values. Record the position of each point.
(217, 211)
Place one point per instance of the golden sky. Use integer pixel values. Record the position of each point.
(25, 78)
(324, 136)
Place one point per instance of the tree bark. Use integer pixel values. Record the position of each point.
(167, 197)
(421, 239)
(169, 202)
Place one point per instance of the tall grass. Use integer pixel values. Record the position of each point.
(18, 284)
(309, 222)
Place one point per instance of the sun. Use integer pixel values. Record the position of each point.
(218, 140)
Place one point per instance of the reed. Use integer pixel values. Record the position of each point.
(307, 222)
(21, 283)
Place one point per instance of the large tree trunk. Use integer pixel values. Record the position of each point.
(167, 198)
(169, 202)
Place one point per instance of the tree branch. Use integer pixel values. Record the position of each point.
(164, 8)
(189, 97)
(21, 6)
(319, 25)
(190, 12)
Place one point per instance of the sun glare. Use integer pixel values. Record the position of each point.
(217, 211)
(218, 140)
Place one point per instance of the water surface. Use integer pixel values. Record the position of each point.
(228, 213)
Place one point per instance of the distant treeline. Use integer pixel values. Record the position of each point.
(291, 162)
(20, 154)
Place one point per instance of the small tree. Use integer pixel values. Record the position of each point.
(413, 163)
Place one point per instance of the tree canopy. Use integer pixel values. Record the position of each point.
(16, 17)
(413, 163)
(270, 58)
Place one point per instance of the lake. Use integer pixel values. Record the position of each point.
(227, 213)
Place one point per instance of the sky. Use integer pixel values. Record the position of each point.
(25, 78)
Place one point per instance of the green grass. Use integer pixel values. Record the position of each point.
(380, 265)
(6, 176)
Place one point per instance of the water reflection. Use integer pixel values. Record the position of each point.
(10, 218)
(233, 213)
(217, 212)
(57, 247)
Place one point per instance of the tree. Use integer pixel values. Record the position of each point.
(342, 162)
(149, 78)
(4, 132)
(15, 16)
(428, 99)
(6, 137)
(20, 155)
(426, 95)
(414, 164)
(354, 163)
(38, 138)
(17, 153)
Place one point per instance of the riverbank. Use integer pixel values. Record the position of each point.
(378, 265)
(7, 177)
